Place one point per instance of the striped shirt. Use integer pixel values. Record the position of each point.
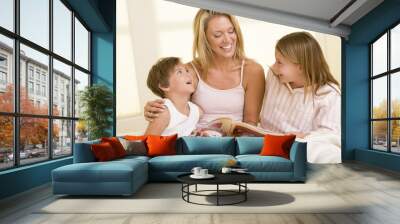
(288, 111)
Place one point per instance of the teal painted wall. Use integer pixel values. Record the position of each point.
(24, 178)
(100, 17)
(356, 101)
(103, 64)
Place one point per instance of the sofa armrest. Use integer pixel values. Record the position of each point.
(83, 152)
(298, 155)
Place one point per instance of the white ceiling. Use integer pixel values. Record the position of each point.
(317, 15)
(320, 9)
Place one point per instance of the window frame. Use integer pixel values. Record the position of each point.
(388, 74)
(16, 115)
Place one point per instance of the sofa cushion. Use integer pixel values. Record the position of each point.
(83, 152)
(185, 163)
(277, 145)
(249, 145)
(116, 145)
(206, 145)
(103, 151)
(134, 147)
(161, 145)
(257, 163)
(111, 171)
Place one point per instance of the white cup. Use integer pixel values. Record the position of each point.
(226, 170)
(196, 170)
(203, 172)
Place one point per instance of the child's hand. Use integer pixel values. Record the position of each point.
(196, 132)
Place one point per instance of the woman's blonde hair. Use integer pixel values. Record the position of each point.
(202, 52)
(301, 48)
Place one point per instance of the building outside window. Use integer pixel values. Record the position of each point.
(34, 74)
(30, 72)
(3, 72)
(43, 90)
(30, 87)
(3, 78)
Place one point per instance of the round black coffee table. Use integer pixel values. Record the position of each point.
(238, 179)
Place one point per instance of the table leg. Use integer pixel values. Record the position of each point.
(196, 188)
(245, 191)
(217, 194)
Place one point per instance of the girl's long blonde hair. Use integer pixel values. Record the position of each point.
(202, 52)
(301, 48)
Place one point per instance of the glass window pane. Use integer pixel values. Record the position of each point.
(33, 140)
(395, 47)
(379, 97)
(81, 131)
(6, 74)
(62, 29)
(34, 97)
(7, 14)
(395, 136)
(62, 89)
(81, 81)
(379, 135)
(62, 138)
(395, 94)
(379, 55)
(6, 142)
(35, 21)
(81, 45)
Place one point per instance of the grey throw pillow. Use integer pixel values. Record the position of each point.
(134, 147)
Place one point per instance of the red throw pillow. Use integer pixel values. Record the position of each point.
(103, 151)
(275, 145)
(161, 145)
(116, 145)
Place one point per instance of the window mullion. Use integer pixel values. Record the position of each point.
(16, 84)
(389, 106)
(73, 82)
(50, 81)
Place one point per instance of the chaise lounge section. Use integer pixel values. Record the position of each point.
(125, 176)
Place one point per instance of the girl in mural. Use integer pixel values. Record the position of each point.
(303, 98)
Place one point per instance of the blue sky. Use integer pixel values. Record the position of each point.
(35, 27)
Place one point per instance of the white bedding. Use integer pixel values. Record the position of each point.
(323, 147)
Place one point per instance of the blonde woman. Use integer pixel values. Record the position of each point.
(302, 97)
(227, 83)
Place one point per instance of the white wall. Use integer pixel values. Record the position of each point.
(148, 30)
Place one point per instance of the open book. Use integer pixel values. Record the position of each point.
(225, 126)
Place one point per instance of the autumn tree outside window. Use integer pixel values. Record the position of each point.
(44, 64)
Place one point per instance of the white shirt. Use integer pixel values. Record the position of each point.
(180, 123)
(285, 111)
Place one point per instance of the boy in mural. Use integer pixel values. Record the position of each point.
(171, 80)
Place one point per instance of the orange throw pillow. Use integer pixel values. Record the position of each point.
(161, 145)
(103, 152)
(116, 145)
(275, 145)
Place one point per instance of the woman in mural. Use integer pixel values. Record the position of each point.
(227, 83)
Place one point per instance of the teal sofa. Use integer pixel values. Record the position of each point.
(125, 176)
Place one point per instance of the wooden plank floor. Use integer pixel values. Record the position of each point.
(354, 182)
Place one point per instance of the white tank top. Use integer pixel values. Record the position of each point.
(179, 123)
(218, 103)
